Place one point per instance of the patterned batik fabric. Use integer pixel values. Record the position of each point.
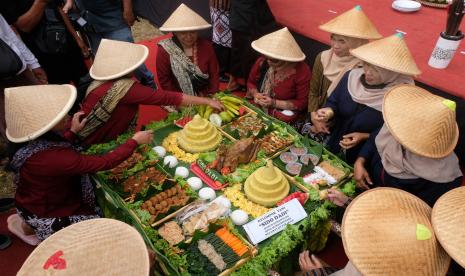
(44, 227)
(222, 34)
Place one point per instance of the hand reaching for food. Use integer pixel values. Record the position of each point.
(352, 139)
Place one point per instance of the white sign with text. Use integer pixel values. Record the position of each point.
(275, 221)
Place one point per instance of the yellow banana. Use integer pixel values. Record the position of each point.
(232, 100)
(231, 106)
(208, 111)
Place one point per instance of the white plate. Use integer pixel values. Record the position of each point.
(406, 5)
(288, 112)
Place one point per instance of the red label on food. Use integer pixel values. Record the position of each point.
(215, 185)
(55, 261)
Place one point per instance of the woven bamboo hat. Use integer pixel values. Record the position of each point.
(279, 45)
(387, 231)
(31, 111)
(420, 121)
(91, 247)
(449, 221)
(390, 53)
(184, 19)
(352, 23)
(115, 59)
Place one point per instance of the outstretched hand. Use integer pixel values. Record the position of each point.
(308, 263)
(361, 176)
(143, 137)
(217, 105)
(337, 197)
(352, 139)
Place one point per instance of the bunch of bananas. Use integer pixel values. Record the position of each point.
(232, 108)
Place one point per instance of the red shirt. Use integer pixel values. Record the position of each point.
(293, 88)
(206, 61)
(125, 111)
(50, 180)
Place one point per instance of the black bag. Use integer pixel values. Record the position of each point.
(198, 83)
(51, 36)
(10, 63)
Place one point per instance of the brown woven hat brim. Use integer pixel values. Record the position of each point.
(390, 53)
(184, 19)
(93, 247)
(448, 221)
(279, 45)
(352, 23)
(379, 233)
(31, 111)
(115, 59)
(420, 121)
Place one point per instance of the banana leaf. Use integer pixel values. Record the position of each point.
(160, 134)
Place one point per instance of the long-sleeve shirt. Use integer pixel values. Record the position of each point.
(350, 117)
(16, 44)
(50, 180)
(427, 190)
(125, 111)
(293, 88)
(206, 61)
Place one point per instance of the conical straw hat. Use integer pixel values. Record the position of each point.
(352, 23)
(31, 111)
(449, 223)
(92, 247)
(390, 53)
(420, 121)
(279, 45)
(387, 231)
(115, 59)
(184, 19)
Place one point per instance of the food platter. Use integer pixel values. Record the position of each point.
(180, 211)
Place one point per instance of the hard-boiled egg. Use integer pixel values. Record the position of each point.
(161, 151)
(207, 193)
(171, 161)
(194, 182)
(182, 172)
(239, 217)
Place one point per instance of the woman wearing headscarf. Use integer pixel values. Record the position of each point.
(113, 98)
(279, 80)
(414, 150)
(53, 188)
(348, 31)
(354, 108)
(185, 62)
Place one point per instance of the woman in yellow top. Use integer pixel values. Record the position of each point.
(348, 31)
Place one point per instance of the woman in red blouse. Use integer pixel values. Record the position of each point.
(113, 99)
(53, 189)
(280, 81)
(185, 62)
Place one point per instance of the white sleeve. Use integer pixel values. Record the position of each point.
(11, 38)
